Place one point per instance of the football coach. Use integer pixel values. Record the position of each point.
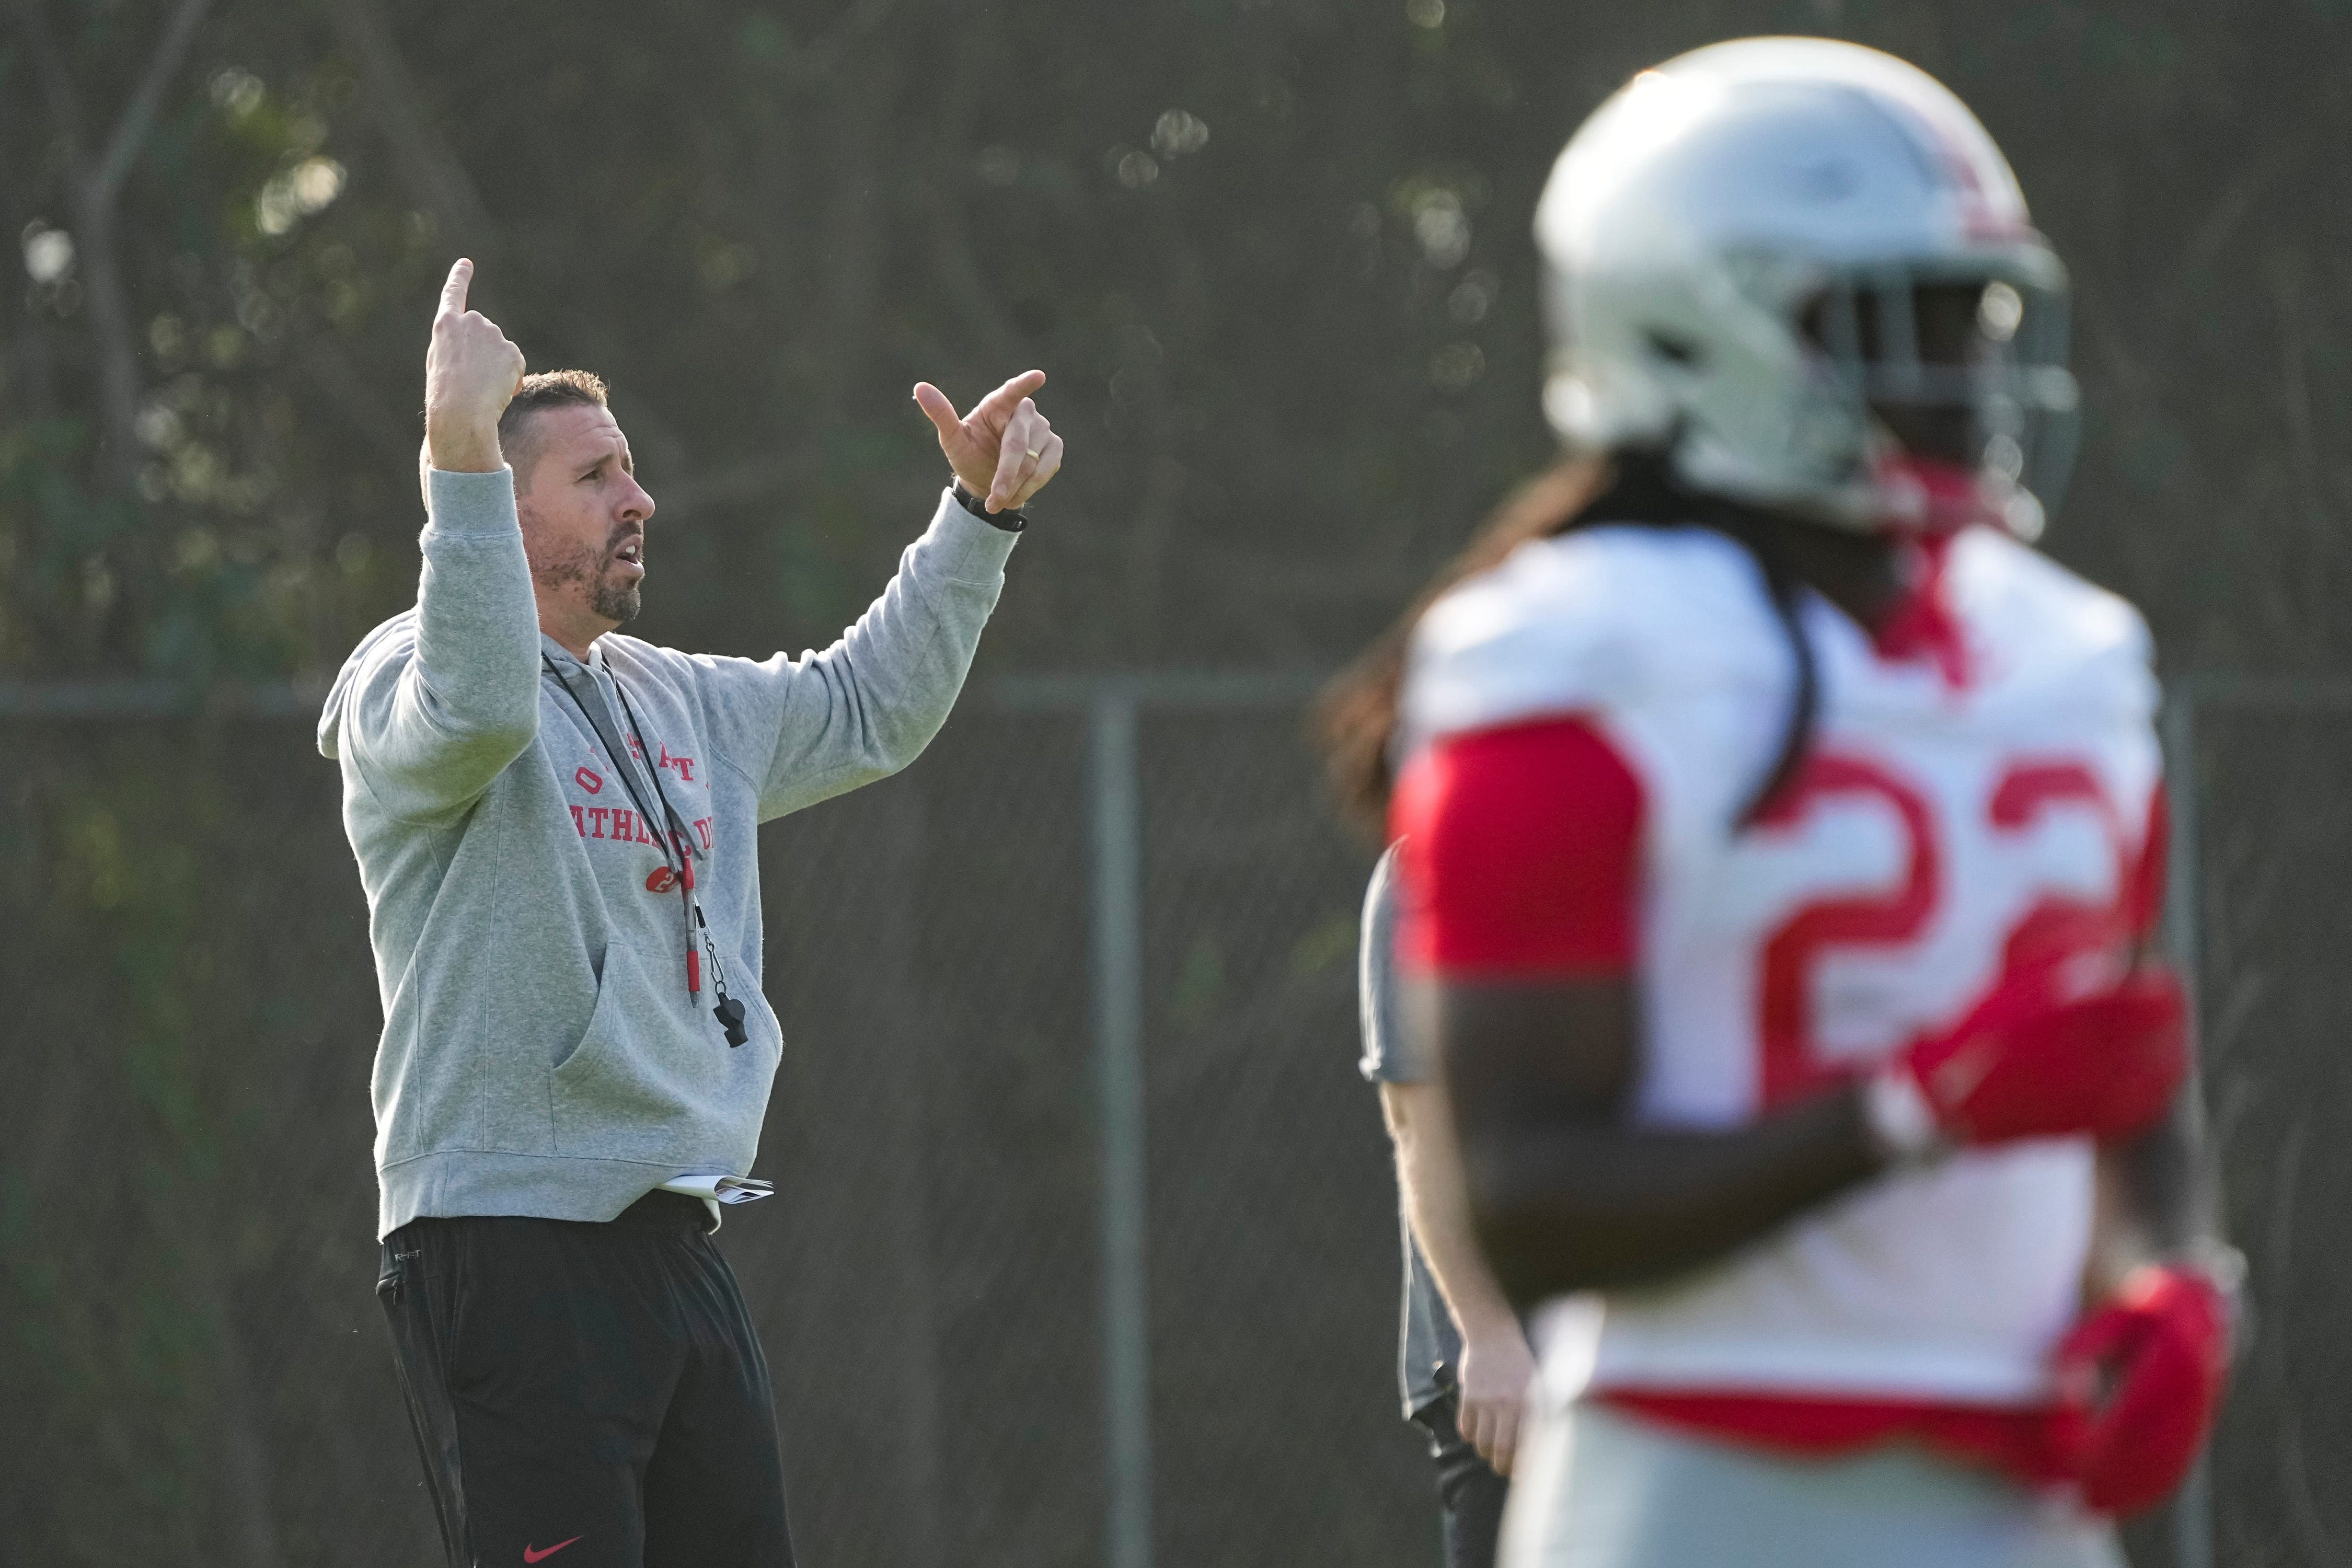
(555, 827)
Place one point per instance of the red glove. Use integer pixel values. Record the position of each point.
(2140, 1382)
(2026, 1065)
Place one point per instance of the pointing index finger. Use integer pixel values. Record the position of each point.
(453, 292)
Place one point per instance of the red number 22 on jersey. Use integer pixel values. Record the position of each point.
(2054, 928)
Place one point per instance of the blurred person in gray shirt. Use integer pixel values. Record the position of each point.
(1463, 1360)
(556, 827)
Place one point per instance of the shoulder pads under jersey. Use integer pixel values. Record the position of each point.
(1599, 620)
(2047, 636)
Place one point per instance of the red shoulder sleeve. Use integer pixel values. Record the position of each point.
(1520, 854)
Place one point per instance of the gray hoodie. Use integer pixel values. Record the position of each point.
(540, 1052)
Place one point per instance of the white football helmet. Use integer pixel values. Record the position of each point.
(1802, 271)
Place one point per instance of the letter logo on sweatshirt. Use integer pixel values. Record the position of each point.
(590, 779)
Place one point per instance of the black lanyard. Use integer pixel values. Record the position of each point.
(674, 832)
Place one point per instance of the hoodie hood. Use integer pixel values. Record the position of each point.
(338, 696)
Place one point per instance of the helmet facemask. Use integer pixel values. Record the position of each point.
(1957, 376)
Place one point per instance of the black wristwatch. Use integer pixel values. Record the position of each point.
(1010, 520)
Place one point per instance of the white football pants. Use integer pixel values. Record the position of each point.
(1595, 1487)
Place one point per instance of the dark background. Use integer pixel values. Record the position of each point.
(1273, 254)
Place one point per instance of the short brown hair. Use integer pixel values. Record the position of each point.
(540, 391)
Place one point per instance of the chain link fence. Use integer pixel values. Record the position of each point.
(2265, 766)
(194, 1368)
(193, 1353)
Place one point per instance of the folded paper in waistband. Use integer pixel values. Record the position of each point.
(721, 1188)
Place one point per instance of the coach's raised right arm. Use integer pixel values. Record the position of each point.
(450, 696)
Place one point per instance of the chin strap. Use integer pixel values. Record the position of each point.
(1928, 496)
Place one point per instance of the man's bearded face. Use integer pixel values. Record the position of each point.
(596, 576)
(583, 518)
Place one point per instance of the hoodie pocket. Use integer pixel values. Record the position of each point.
(640, 1083)
(610, 981)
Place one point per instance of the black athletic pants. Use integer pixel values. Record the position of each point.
(594, 1390)
(1469, 1493)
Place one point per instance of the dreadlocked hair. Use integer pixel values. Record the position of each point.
(1356, 718)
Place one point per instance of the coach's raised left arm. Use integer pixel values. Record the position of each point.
(811, 728)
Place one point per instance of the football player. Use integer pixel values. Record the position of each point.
(1782, 843)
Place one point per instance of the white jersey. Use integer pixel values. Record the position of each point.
(1943, 820)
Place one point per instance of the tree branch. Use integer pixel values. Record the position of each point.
(436, 181)
(139, 115)
(93, 190)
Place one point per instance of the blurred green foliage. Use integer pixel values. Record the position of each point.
(1273, 253)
